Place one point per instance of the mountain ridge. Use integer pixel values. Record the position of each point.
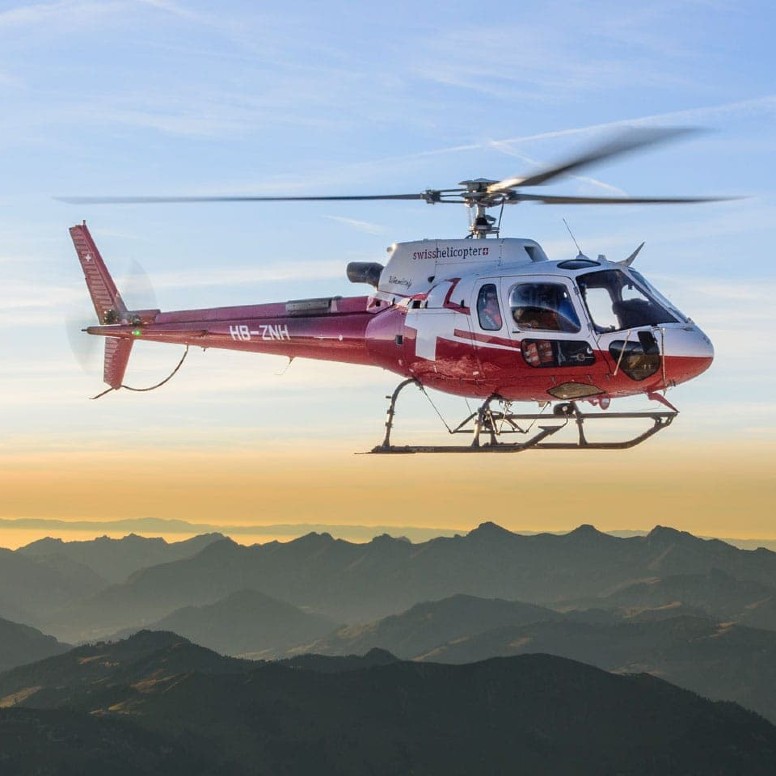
(360, 582)
(399, 717)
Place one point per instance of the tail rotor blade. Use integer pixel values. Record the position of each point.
(137, 288)
(84, 347)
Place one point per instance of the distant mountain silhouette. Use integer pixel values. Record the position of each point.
(411, 634)
(328, 664)
(115, 559)
(20, 644)
(729, 662)
(147, 657)
(30, 591)
(541, 714)
(715, 592)
(245, 623)
(362, 582)
(720, 661)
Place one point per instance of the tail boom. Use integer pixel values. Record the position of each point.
(338, 336)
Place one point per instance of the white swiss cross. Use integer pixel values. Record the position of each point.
(430, 326)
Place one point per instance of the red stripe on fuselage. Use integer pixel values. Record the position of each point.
(487, 339)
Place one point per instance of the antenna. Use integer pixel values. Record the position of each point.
(579, 250)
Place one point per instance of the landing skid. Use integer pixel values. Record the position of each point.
(488, 426)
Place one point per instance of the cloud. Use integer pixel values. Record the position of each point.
(359, 226)
(59, 15)
(543, 58)
(214, 377)
(758, 107)
(21, 295)
(751, 109)
(32, 303)
(239, 276)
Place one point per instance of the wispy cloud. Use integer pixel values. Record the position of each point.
(20, 295)
(360, 226)
(36, 303)
(65, 13)
(238, 276)
(543, 57)
(756, 108)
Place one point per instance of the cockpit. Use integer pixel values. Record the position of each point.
(616, 301)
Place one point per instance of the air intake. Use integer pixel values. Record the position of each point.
(365, 272)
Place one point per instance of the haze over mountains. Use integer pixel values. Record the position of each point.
(245, 623)
(668, 604)
(116, 559)
(65, 588)
(362, 582)
(21, 644)
(722, 661)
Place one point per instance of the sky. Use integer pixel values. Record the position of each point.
(125, 97)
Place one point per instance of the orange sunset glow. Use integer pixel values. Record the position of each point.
(709, 490)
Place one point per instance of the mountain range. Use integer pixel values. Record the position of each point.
(445, 644)
(245, 623)
(354, 583)
(722, 661)
(155, 703)
(116, 559)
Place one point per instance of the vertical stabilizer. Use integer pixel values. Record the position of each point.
(108, 304)
(116, 358)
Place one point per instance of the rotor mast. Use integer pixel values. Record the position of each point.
(478, 199)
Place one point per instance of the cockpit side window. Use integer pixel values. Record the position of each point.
(488, 309)
(544, 307)
(615, 302)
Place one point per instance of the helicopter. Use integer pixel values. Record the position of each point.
(484, 317)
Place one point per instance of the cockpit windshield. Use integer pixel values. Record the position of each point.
(616, 302)
(650, 289)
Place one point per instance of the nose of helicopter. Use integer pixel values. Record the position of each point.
(688, 352)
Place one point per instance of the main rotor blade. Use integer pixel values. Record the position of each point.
(625, 142)
(550, 199)
(156, 200)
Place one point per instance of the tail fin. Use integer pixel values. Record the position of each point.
(108, 304)
(117, 352)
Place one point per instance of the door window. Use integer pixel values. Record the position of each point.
(488, 308)
(543, 307)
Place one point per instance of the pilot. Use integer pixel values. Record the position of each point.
(489, 312)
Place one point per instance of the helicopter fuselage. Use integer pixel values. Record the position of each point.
(474, 318)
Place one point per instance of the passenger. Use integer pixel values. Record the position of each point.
(489, 312)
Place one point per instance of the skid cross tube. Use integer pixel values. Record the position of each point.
(498, 423)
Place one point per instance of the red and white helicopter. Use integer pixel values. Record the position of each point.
(484, 317)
